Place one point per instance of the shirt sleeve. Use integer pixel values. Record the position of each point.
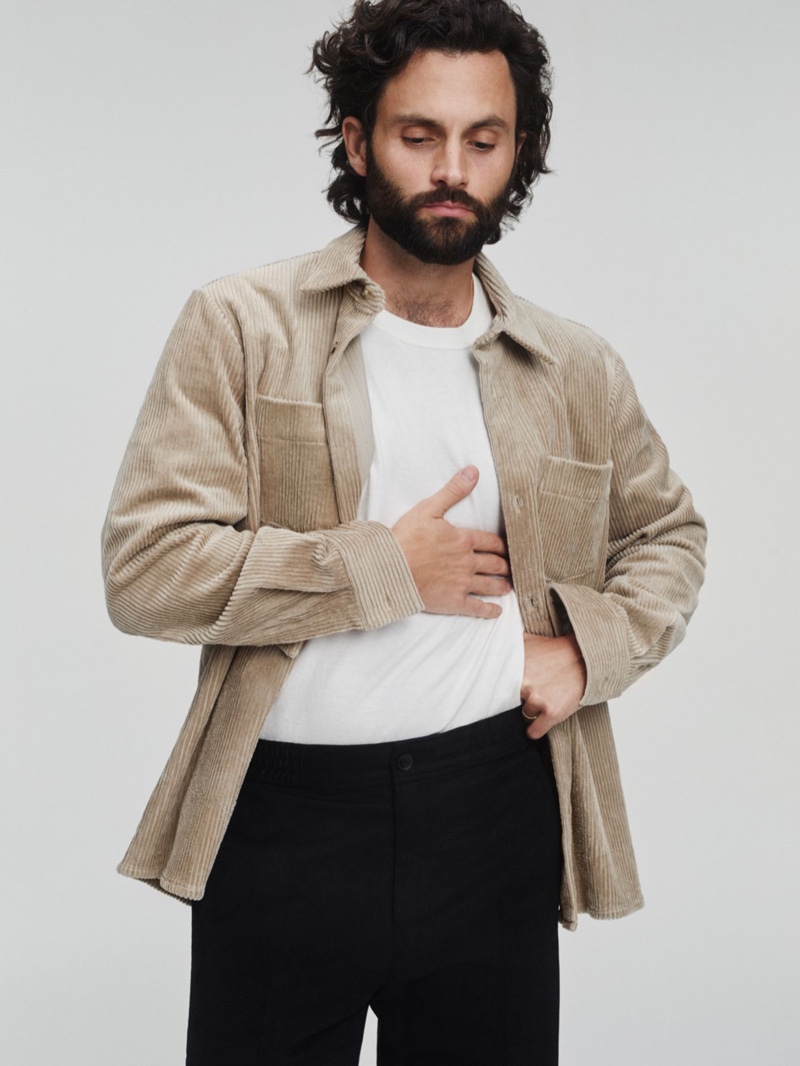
(655, 561)
(178, 561)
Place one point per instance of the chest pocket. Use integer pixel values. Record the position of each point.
(297, 489)
(572, 502)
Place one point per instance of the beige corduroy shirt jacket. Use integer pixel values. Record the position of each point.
(233, 525)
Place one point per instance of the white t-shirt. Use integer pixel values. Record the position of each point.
(427, 673)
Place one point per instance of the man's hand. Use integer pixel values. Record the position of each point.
(452, 567)
(553, 683)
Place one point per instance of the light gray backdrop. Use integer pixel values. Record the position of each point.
(150, 147)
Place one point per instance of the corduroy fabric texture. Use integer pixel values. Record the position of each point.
(233, 524)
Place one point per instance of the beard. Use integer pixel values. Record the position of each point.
(444, 241)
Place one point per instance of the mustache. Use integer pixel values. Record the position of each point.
(445, 195)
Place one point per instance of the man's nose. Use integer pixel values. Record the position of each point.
(450, 166)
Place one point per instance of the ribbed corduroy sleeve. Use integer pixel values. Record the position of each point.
(176, 561)
(655, 561)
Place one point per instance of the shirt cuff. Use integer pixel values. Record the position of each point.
(600, 628)
(384, 588)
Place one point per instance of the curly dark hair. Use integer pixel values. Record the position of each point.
(356, 59)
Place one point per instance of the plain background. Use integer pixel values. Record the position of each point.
(151, 147)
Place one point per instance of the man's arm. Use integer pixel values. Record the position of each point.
(654, 571)
(176, 561)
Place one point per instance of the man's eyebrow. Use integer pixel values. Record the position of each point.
(487, 122)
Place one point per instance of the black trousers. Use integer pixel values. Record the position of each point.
(417, 877)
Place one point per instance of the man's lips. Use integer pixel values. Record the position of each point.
(448, 209)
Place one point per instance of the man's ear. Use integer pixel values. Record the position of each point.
(355, 143)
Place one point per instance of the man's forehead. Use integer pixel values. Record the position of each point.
(473, 85)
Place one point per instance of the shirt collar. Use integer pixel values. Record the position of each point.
(337, 266)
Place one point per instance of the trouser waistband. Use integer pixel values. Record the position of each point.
(468, 745)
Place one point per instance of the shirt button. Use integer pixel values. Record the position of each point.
(404, 762)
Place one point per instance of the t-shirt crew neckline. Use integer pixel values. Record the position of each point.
(445, 337)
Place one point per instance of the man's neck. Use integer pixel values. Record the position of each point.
(426, 293)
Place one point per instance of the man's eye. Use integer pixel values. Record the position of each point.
(415, 140)
(482, 146)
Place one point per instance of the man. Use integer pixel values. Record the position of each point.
(424, 531)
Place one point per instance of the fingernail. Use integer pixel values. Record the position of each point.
(470, 473)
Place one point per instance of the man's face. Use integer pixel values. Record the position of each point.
(440, 159)
(446, 226)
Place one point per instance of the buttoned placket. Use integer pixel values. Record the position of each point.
(517, 498)
(342, 421)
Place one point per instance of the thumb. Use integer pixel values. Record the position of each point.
(457, 488)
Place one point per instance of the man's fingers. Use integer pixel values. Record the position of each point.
(489, 586)
(491, 563)
(452, 566)
(537, 720)
(456, 489)
(477, 608)
(538, 727)
(481, 541)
